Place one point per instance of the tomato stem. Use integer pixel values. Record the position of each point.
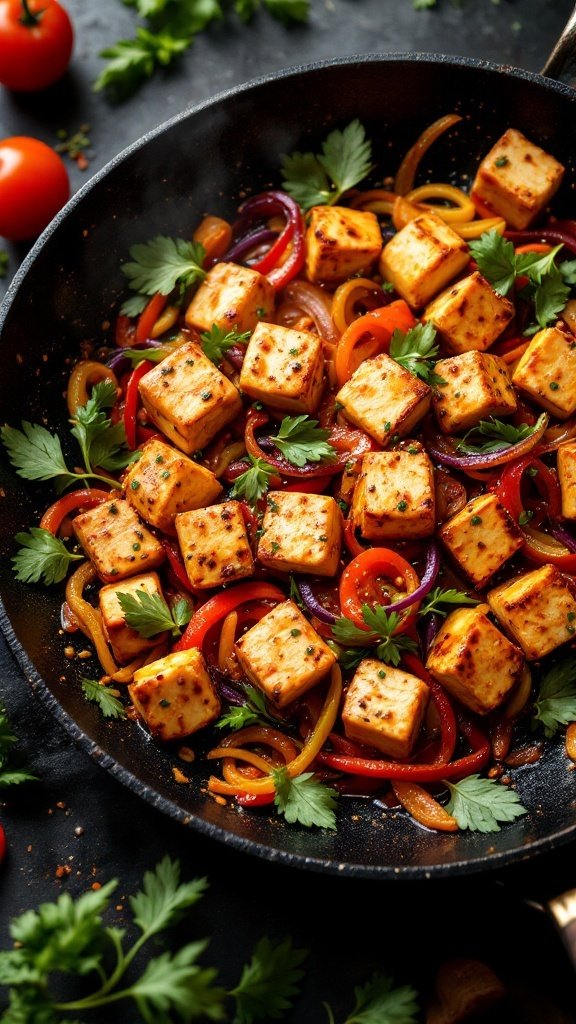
(29, 17)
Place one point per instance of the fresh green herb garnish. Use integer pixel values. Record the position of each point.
(149, 614)
(380, 1002)
(382, 625)
(301, 440)
(254, 483)
(102, 444)
(415, 350)
(268, 982)
(138, 355)
(556, 701)
(304, 799)
(161, 265)
(502, 434)
(11, 773)
(437, 597)
(250, 713)
(36, 454)
(217, 341)
(43, 557)
(321, 179)
(107, 698)
(479, 804)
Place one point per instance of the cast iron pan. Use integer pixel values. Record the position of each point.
(203, 161)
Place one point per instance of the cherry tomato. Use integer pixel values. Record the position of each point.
(33, 186)
(36, 39)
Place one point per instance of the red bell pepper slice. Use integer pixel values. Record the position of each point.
(448, 726)
(270, 204)
(539, 548)
(365, 569)
(131, 404)
(217, 607)
(255, 799)
(176, 564)
(87, 497)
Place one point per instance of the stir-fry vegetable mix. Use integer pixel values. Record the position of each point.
(323, 507)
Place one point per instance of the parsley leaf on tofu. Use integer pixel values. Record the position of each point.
(268, 982)
(301, 440)
(250, 713)
(502, 435)
(42, 557)
(304, 799)
(479, 804)
(216, 342)
(437, 597)
(254, 483)
(321, 179)
(107, 698)
(556, 701)
(163, 264)
(380, 1002)
(149, 614)
(415, 350)
(549, 300)
(382, 625)
(496, 260)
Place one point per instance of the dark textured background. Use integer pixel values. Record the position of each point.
(350, 927)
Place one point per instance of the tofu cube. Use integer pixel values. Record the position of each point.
(469, 315)
(384, 707)
(116, 541)
(384, 399)
(341, 242)
(395, 495)
(481, 537)
(517, 179)
(283, 655)
(567, 477)
(127, 643)
(422, 259)
(188, 398)
(284, 368)
(537, 609)
(301, 533)
(547, 371)
(175, 695)
(477, 385)
(474, 661)
(231, 297)
(165, 482)
(214, 545)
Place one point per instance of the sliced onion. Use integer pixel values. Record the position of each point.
(558, 235)
(433, 622)
(313, 604)
(245, 245)
(561, 534)
(227, 692)
(441, 449)
(117, 360)
(316, 304)
(431, 570)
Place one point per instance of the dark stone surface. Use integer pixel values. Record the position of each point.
(351, 927)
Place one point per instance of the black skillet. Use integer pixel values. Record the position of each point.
(67, 290)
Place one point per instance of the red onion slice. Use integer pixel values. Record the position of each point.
(437, 446)
(313, 604)
(561, 534)
(557, 235)
(316, 304)
(431, 570)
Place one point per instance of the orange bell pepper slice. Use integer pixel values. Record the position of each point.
(369, 335)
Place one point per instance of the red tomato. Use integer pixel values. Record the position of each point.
(36, 41)
(33, 186)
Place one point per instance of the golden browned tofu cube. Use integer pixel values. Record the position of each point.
(283, 655)
(127, 643)
(165, 482)
(188, 398)
(301, 533)
(384, 399)
(537, 609)
(116, 541)
(517, 179)
(469, 315)
(175, 695)
(284, 368)
(231, 297)
(481, 537)
(215, 545)
(384, 708)
(474, 661)
(567, 477)
(476, 385)
(341, 242)
(547, 371)
(395, 495)
(423, 258)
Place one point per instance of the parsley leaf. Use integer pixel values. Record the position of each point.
(11, 773)
(175, 983)
(550, 298)
(379, 1002)
(149, 614)
(503, 435)
(36, 454)
(479, 804)
(382, 625)
(138, 355)
(162, 264)
(131, 61)
(42, 557)
(415, 350)
(321, 179)
(568, 271)
(254, 483)
(288, 11)
(268, 982)
(556, 701)
(301, 440)
(163, 898)
(217, 341)
(495, 258)
(438, 597)
(101, 443)
(106, 697)
(253, 711)
(304, 799)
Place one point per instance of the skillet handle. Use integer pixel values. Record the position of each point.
(563, 911)
(561, 63)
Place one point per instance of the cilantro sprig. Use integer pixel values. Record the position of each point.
(436, 598)
(382, 626)
(301, 440)
(161, 265)
(416, 351)
(253, 484)
(480, 804)
(321, 179)
(501, 434)
(304, 799)
(555, 704)
(106, 697)
(379, 1001)
(216, 342)
(149, 614)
